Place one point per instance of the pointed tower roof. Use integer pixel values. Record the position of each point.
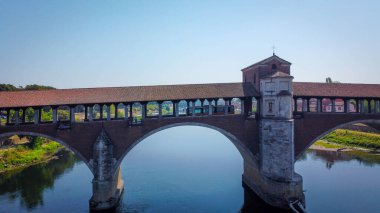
(269, 60)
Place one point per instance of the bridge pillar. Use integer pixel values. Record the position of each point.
(275, 180)
(377, 110)
(107, 185)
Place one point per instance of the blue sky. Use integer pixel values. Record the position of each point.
(77, 43)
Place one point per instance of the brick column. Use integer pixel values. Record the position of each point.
(225, 106)
(242, 106)
(346, 105)
(23, 115)
(85, 113)
(319, 105)
(72, 114)
(332, 104)
(101, 112)
(176, 108)
(54, 115)
(209, 107)
(159, 109)
(304, 105)
(126, 111)
(36, 117)
(17, 115)
(90, 113)
(143, 110)
(108, 112)
(362, 108)
(193, 108)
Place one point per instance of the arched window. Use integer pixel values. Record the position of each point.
(274, 67)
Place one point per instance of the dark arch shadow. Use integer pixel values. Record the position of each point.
(246, 154)
(370, 122)
(9, 134)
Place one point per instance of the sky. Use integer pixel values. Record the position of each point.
(78, 43)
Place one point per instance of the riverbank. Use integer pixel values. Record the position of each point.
(349, 140)
(25, 155)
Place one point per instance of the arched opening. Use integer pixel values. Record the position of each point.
(236, 103)
(152, 109)
(96, 112)
(167, 108)
(335, 158)
(112, 111)
(121, 111)
(63, 113)
(182, 108)
(43, 184)
(79, 113)
(313, 105)
(345, 135)
(274, 67)
(196, 162)
(136, 111)
(46, 114)
(326, 105)
(29, 115)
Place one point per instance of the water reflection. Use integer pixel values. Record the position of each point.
(28, 185)
(332, 157)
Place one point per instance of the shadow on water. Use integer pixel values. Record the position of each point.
(252, 203)
(368, 159)
(28, 185)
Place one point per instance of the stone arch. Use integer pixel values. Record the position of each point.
(247, 155)
(66, 145)
(328, 131)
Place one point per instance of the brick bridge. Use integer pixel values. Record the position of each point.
(269, 118)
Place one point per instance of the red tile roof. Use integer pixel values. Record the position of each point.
(175, 92)
(125, 94)
(336, 90)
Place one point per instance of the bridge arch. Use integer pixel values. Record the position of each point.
(327, 131)
(244, 151)
(35, 134)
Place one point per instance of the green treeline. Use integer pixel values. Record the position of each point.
(10, 87)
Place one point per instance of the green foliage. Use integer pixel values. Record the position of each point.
(10, 87)
(354, 138)
(326, 144)
(38, 149)
(37, 87)
(7, 87)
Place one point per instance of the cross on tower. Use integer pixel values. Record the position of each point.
(274, 48)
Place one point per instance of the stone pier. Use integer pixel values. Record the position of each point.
(107, 185)
(274, 179)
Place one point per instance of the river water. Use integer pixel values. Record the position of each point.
(192, 169)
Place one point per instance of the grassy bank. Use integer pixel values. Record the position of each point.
(354, 138)
(27, 154)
